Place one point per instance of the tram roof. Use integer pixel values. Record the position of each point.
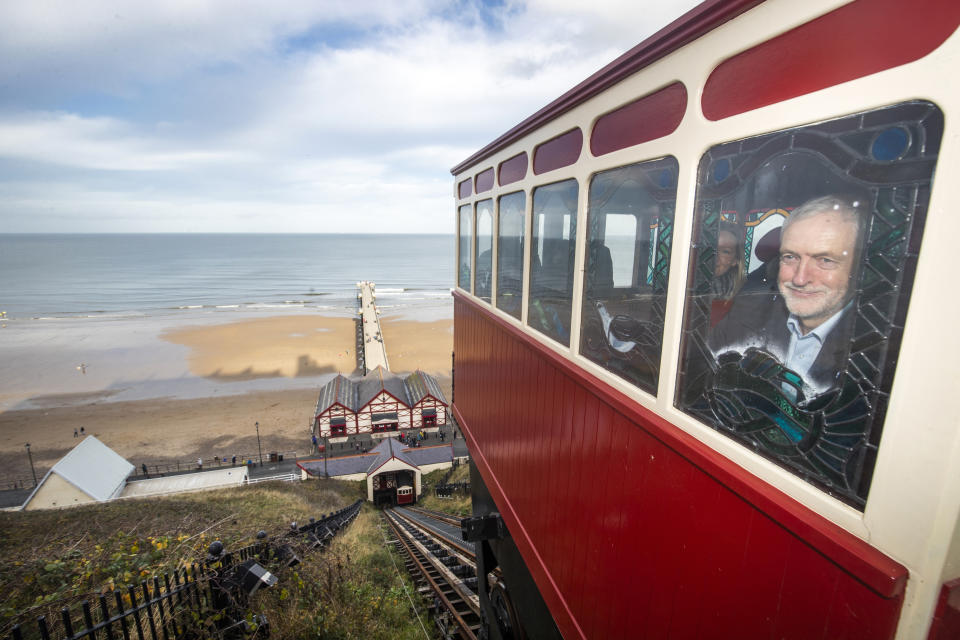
(700, 20)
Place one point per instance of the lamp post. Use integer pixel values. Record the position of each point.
(259, 450)
(32, 470)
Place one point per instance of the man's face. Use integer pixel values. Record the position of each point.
(726, 253)
(816, 262)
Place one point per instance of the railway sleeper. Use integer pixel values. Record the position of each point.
(460, 601)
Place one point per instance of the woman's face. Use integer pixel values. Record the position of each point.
(726, 253)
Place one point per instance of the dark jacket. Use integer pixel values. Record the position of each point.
(760, 320)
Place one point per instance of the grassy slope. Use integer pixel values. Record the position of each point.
(459, 505)
(49, 556)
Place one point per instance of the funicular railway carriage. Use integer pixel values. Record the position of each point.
(705, 361)
(405, 495)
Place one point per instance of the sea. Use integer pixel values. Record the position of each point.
(85, 314)
(103, 275)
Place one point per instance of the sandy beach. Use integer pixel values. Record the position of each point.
(176, 393)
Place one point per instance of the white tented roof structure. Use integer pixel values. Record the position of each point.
(90, 472)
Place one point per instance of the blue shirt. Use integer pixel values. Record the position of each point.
(804, 349)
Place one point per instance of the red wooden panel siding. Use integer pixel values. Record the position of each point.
(863, 37)
(562, 151)
(625, 520)
(464, 188)
(946, 619)
(484, 180)
(653, 116)
(513, 169)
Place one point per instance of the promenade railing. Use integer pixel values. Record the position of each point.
(234, 460)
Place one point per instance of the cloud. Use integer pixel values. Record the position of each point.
(99, 143)
(288, 115)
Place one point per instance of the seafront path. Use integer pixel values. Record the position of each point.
(354, 444)
(374, 350)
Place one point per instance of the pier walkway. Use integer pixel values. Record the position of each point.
(374, 350)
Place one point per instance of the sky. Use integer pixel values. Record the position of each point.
(289, 116)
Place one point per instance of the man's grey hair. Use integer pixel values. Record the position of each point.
(851, 209)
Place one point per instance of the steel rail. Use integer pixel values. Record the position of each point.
(439, 535)
(436, 515)
(462, 609)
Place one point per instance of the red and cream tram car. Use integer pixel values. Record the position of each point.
(704, 362)
(405, 495)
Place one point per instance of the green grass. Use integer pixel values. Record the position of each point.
(360, 590)
(49, 559)
(458, 505)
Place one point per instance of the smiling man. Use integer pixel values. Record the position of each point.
(806, 324)
(817, 255)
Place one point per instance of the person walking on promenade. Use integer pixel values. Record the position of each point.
(144, 467)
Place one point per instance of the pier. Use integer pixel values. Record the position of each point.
(374, 350)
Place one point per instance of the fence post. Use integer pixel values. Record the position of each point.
(65, 618)
(105, 612)
(133, 605)
(121, 610)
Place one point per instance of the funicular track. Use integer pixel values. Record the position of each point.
(436, 515)
(447, 570)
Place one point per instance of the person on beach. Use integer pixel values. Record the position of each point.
(81, 431)
(199, 463)
(144, 467)
(75, 434)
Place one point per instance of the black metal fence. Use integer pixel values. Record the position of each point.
(153, 469)
(450, 489)
(208, 599)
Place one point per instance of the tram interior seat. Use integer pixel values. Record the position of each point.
(510, 266)
(764, 278)
(551, 288)
(599, 270)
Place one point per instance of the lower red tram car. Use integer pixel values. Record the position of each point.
(700, 361)
(405, 495)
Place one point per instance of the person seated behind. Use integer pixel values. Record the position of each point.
(728, 273)
(806, 324)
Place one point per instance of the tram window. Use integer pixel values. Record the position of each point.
(510, 233)
(484, 249)
(466, 233)
(796, 358)
(629, 233)
(551, 265)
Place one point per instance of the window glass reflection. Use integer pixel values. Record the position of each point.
(629, 233)
(466, 234)
(510, 253)
(551, 265)
(484, 249)
(802, 263)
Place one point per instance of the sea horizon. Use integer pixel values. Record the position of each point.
(80, 313)
(55, 275)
